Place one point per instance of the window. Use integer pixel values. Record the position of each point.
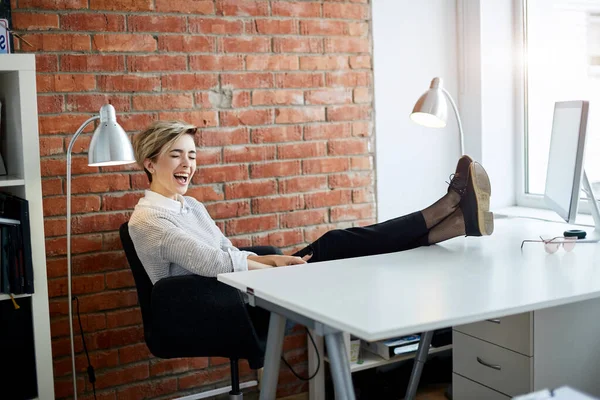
(562, 62)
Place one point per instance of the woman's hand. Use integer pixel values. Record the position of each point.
(280, 261)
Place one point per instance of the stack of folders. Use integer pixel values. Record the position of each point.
(16, 268)
(393, 347)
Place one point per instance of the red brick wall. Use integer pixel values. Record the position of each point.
(283, 92)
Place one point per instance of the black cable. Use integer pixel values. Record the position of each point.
(90, 370)
(318, 361)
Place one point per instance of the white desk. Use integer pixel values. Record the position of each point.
(461, 281)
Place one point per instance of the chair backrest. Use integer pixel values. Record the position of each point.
(142, 281)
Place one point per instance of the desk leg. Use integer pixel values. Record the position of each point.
(272, 357)
(316, 386)
(420, 360)
(340, 366)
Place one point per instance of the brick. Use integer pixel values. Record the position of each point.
(230, 209)
(246, 117)
(328, 96)
(122, 375)
(58, 246)
(50, 104)
(91, 323)
(53, 4)
(332, 63)
(271, 63)
(173, 366)
(52, 186)
(108, 300)
(363, 195)
(206, 193)
(63, 123)
(58, 42)
(57, 205)
(28, 21)
(302, 184)
(250, 189)
(361, 163)
(93, 102)
(51, 145)
(216, 63)
(65, 388)
(217, 26)
(295, 9)
(99, 262)
(362, 129)
(277, 168)
(132, 122)
(92, 63)
(100, 184)
(139, 182)
(186, 43)
(66, 83)
(348, 113)
(123, 42)
(275, 26)
(55, 227)
(250, 80)
(129, 83)
(93, 223)
(117, 202)
(325, 27)
(325, 165)
(347, 146)
(327, 199)
(279, 239)
(156, 63)
(297, 45)
(298, 115)
(185, 6)
(251, 224)
(122, 5)
(277, 134)
(240, 99)
(350, 180)
(156, 23)
(96, 22)
(79, 285)
(303, 218)
(242, 8)
(134, 353)
(189, 81)
(247, 154)
(299, 80)
(157, 102)
(347, 45)
(353, 212)
(277, 97)
(245, 44)
(223, 136)
(222, 99)
(267, 205)
(348, 79)
(346, 11)
(111, 241)
(360, 62)
(99, 359)
(126, 317)
(204, 377)
(146, 390)
(225, 173)
(46, 63)
(119, 280)
(362, 95)
(199, 118)
(301, 150)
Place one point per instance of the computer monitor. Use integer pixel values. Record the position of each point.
(565, 172)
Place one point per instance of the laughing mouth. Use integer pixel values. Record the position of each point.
(182, 178)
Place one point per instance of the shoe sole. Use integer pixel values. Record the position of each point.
(483, 191)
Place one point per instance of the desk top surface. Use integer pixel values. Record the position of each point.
(460, 281)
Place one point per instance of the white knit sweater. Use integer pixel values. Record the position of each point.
(178, 237)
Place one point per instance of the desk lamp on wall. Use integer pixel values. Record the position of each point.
(431, 109)
(110, 145)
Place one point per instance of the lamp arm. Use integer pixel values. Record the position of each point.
(460, 129)
(70, 299)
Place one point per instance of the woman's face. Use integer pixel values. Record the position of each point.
(173, 170)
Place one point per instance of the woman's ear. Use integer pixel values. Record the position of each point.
(149, 165)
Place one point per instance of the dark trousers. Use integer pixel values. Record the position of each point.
(398, 234)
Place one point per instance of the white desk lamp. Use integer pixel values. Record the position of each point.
(431, 109)
(109, 146)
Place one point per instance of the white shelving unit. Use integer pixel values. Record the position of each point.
(21, 153)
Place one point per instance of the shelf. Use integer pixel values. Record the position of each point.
(16, 296)
(11, 180)
(370, 360)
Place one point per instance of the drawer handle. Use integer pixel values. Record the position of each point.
(495, 321)
(496, 367)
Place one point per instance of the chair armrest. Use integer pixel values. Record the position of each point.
(263, 250)
(198, 316)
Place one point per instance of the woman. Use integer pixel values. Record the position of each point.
(175, 235)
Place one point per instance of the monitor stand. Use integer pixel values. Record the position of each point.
(594, 207)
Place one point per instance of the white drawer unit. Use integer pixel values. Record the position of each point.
(505, 357)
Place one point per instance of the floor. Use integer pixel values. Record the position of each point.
(432, 392)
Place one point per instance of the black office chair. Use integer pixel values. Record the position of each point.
(196, 316)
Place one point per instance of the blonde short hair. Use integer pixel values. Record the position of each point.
(157, 139)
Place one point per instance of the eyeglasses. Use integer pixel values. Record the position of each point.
(552, 245)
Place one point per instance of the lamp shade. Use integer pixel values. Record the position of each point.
(431, 109)
(110, 144)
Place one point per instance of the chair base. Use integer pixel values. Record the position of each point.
(239, 396)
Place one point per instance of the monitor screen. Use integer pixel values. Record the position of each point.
(565, 161)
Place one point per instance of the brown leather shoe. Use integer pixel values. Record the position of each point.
(458, 180)
(475, 204)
